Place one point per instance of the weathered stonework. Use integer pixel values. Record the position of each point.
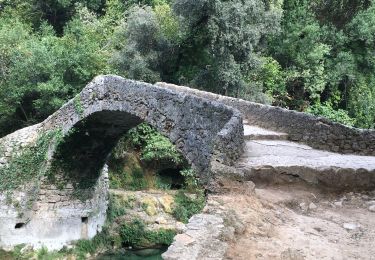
(49, 213)
(55, 218)
(202, 240)
(199, 128)
(315, 131)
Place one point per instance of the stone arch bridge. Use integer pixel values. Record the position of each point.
(42, 209)
(86, 129)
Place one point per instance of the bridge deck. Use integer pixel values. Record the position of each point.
(268, 157)
(258, 133)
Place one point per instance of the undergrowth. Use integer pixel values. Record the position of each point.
(135, 234)
(186, 206)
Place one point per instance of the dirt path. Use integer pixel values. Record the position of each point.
(295, 222)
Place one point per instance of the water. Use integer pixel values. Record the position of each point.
(144, 254)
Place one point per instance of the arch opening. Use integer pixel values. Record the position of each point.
(80, 156)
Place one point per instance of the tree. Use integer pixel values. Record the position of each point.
(301, 51)
(151, 37)
(40, 72)
(222, 41)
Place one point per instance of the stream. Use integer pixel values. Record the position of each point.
(143, 254)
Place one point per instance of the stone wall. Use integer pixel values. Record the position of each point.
(55, 218)
(12, 143)
(317, 132)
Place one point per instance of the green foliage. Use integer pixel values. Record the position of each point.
(44, 254)
(186, 206)
(129, 178)
(78, 105)
(227, 36)
(101, 241)
(135, 234)
(28, 164)
(56, 12)
(161, 237)
(154, 146)
(140, 156)
(196, 42)
(326, 110)
(41, 71)
(116, 207)
(149, 50)
(190, 179)
(325, 57)
(362, 103)
(301, 51)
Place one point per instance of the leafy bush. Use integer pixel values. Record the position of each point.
(161, 236)
(326, 110)
(116, 207)
(186, 207)
(103, 240)
(190, 179)
(126, 177)
(135, 234)
(362, 104)
(154, 147)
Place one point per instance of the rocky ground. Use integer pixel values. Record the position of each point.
(298, 222)
(294, 211)
(154, 207)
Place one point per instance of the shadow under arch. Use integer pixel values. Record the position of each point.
(84, 150)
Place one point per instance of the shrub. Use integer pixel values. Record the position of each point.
(186, 207)
(326, 110)
(135, 234)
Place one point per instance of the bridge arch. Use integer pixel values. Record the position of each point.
(202, 130)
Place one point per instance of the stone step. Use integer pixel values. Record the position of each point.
(283, 161)
(257, 133)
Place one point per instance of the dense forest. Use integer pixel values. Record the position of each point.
(314, 56)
